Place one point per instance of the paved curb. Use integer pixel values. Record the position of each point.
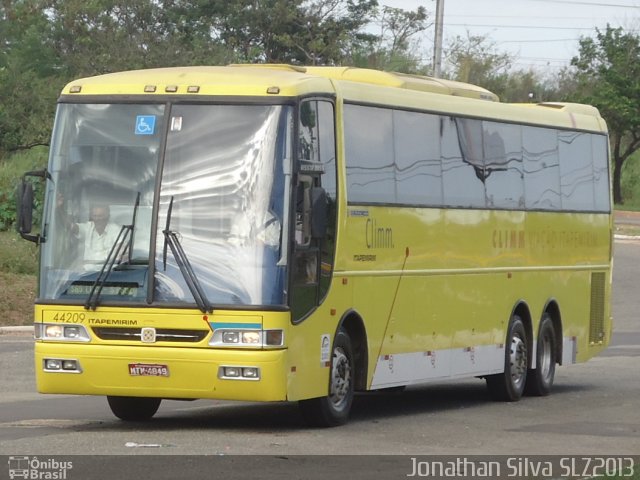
(15, 330)
(618, 236)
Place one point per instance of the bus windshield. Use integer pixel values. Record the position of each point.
(116, 168)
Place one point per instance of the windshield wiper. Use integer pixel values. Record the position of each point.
(125, 236)
(171, 239)
(133, 228)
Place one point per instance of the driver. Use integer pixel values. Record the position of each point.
(97, 235)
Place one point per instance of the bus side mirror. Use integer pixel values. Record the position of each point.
(24, 208)
(319, 211)
(25, 205)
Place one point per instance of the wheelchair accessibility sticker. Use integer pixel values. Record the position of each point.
(145, 124)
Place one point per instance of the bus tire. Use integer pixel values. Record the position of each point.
(509, 385)
(540, 379)
(333, 409)
(134, 409)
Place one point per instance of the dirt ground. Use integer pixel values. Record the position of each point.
(17, 293)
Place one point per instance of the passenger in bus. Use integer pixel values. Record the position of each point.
(97, 236)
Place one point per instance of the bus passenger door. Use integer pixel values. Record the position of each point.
(315, 208)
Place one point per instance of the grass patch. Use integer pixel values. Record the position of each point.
(17, 308)
(17, 256)
(630, 184)
(16, 304)
(18, 266)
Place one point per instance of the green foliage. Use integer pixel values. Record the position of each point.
(630, 183)
(607, 75)
(394, 48)
(28, 74)
(476, 60)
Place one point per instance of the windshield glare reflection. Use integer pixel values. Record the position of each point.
(225, 173)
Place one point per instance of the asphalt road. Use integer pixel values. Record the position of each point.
(594, 409)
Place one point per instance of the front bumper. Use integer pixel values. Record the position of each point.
(193, 372)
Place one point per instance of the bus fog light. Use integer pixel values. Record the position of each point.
(231, 372)
(69, 365)
(52, 364)
(250, 372)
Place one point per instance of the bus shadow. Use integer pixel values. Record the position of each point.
(285, 416)
(424, 399)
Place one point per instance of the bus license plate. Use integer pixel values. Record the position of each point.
(148, 370)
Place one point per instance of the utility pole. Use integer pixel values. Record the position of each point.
(437, 47)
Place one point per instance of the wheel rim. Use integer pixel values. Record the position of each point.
(518, 359)
(340, 379)
(545, 358)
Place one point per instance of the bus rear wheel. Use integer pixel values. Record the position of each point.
(509, 385)
(134, 409)
(540, 379)
(333, 410)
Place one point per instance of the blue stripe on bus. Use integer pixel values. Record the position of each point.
(216, 325)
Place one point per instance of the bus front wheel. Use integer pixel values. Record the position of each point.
(333, 410)
(540, 380)
(509, 385)
(134, 409)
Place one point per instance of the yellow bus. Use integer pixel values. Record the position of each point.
(285, 233)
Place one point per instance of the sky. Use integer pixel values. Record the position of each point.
(540, 34)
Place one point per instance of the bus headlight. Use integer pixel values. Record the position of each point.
(224, 337)
(60, 332)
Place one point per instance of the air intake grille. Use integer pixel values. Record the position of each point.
(596, 318)
(162, 334)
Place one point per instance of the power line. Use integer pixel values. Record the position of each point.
(574, 2)
(542, 40)
(532, 27)
(519, 17)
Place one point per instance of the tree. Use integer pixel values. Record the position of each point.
(92, 37)
(524, 86)
(607, 76)
(394, 48)
(316, 32)
(28, 75)
(476, 60)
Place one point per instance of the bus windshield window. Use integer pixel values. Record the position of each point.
(223, 166)
(103, 158)
(224, 169)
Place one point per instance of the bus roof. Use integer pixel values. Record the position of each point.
(352, 84)
(227, 79)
